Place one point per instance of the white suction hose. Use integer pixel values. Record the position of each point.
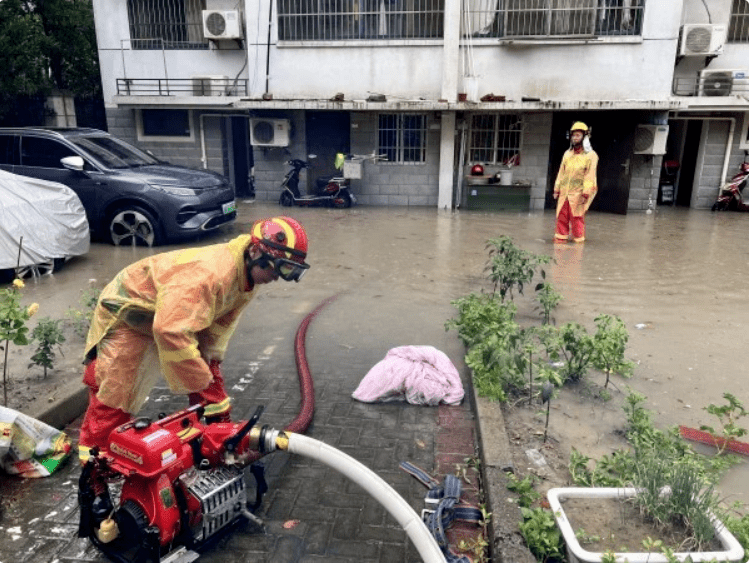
(372, 483)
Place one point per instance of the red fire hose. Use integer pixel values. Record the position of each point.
(306, 387)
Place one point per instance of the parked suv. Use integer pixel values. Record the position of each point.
(130, 196)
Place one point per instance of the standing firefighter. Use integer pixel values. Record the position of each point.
(177, 311)
(576, 185)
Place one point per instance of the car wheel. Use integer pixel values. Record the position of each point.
(342, 201)
(36, 270)
(133, 226)
(286, 200)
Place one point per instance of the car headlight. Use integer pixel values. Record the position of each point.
(174, 190)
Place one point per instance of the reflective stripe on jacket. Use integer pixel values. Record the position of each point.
(577, 176)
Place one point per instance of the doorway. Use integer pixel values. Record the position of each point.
(612, 137)
(242, 158)
(328, 133)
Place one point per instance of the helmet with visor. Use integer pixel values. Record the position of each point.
(282, 242)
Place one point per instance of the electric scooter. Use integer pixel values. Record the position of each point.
(730, 198)
(329, 192)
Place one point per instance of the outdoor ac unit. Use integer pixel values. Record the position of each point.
(269, 132)
(723, 82)
(209, 85)
(702, 40)
(651, 139)
(222, 24)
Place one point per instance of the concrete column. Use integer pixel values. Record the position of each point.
(451, 51)
(447, 157)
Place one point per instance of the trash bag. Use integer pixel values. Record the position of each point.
(422, 375)
(29, 447)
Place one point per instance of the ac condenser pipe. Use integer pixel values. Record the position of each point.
(372, 483)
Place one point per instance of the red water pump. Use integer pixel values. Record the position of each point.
(182, 484)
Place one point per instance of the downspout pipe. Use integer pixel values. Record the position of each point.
(203, 150)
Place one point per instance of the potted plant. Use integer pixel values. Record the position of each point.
(730, 548)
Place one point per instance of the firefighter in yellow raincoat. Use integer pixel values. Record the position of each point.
(576, 185)
(177, 311)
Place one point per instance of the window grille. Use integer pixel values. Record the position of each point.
(166, 24)
(552, 18)
(738, 30)
(335, 20)
(495, 138)
(402, 137)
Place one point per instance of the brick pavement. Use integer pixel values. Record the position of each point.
(331, 519)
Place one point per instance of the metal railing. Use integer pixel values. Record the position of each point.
(197, 86)
(166, 24)
(714, 83)
(738, 30)
(538, 19)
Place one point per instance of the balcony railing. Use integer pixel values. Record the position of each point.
(713, 83)
(195, 86)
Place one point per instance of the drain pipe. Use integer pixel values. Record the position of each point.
(270, 440)
(203, 153)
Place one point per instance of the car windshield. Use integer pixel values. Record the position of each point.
(114, 153)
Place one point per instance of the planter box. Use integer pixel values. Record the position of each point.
(732, 549)
(497, 197)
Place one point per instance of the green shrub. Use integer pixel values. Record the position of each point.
(48, 334)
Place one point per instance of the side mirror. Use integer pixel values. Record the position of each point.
(73, 163)
(311, 156)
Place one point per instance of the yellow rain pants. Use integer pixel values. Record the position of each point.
(178, 311)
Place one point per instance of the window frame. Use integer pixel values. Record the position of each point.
(734, 20)
(400, 132)
(143, 138)
(190, 11)
(496, 133)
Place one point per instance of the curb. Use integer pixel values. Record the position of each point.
(72, 403)
(507, 543)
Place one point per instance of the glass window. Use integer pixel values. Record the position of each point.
(165, 122)
(738, 30)
(113, 153)
(332, 20)
(495, 139)
(44, 153)
(402, 137)
(166, 24)
(552, 18)
(8, 150)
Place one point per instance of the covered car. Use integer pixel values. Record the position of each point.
(50, 218)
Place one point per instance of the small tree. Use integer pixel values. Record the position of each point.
(510, 266)
(49, 335)
(609, 341)
(13, 327)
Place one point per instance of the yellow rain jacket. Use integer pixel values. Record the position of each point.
(188, 301)
(577, 176)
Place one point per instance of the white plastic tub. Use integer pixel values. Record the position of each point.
(576, 554)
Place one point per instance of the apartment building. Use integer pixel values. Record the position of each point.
(436, 86)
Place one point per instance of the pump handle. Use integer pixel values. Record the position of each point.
(231, 443)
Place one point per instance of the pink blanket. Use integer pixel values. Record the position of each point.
(421, 374)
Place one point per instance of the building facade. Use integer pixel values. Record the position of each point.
(434, 87)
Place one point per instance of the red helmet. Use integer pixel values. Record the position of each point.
(283, 241)
(477, 170)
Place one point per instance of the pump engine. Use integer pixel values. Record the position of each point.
(183, 483)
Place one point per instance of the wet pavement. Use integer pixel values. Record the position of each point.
(676, 277)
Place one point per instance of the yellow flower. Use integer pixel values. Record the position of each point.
(33, 308)
(18, 283)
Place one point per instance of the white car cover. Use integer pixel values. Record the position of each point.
(49, 216)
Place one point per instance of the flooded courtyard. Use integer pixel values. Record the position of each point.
(676, 278)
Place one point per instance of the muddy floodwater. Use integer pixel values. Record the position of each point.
(676, 277)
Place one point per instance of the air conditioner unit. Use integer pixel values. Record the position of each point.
(269, 132)
(651, 139)
(222, 24)
(702, 40)
(209, 85)
(723, 82)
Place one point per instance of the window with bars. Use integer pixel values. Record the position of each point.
(552, 18)
(495, 139)
(166, 24)
(738, 29)
(402, 137)
(335, 20)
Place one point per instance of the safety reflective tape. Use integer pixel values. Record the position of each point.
(175, 356)
(213, 409)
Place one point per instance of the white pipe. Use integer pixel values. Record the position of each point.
(372, 483)
(201, 126)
